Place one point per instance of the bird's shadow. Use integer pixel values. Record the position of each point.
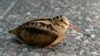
(43, 51)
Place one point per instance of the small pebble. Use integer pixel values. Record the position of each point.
(36, 54)
(86, 41)
(51, 54)
(20, 55)
(70, 55)
(1, 17)
(94, 53)
(88, 30)
(82, 51)
(23, 45)
(87, 52)
(78, 37)
(1, 29)
(73, 31)
(89, 19)
(93, 35)
(25, 49)
(28, 13)
(57, 9)
(5, 54)
(60, 54)
(31, 53)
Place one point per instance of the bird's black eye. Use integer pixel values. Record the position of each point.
(57, 17)
(32, 23)
(61, 20)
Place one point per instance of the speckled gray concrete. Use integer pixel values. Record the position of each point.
(84, 13)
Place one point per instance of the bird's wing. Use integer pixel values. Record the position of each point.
(40, 34)
(40, 26)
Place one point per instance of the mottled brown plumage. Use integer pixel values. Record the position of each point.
(43, 32)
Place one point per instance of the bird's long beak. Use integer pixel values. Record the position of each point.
(71, 26)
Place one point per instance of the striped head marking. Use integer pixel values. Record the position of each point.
(62, 19)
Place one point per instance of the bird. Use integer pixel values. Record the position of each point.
(44, 32)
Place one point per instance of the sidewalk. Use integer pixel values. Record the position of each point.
(84, 13)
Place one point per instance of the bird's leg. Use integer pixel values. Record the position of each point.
(49, 46)
(60, 43)
(46, 48)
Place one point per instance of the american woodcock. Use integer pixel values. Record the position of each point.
(44, 32)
